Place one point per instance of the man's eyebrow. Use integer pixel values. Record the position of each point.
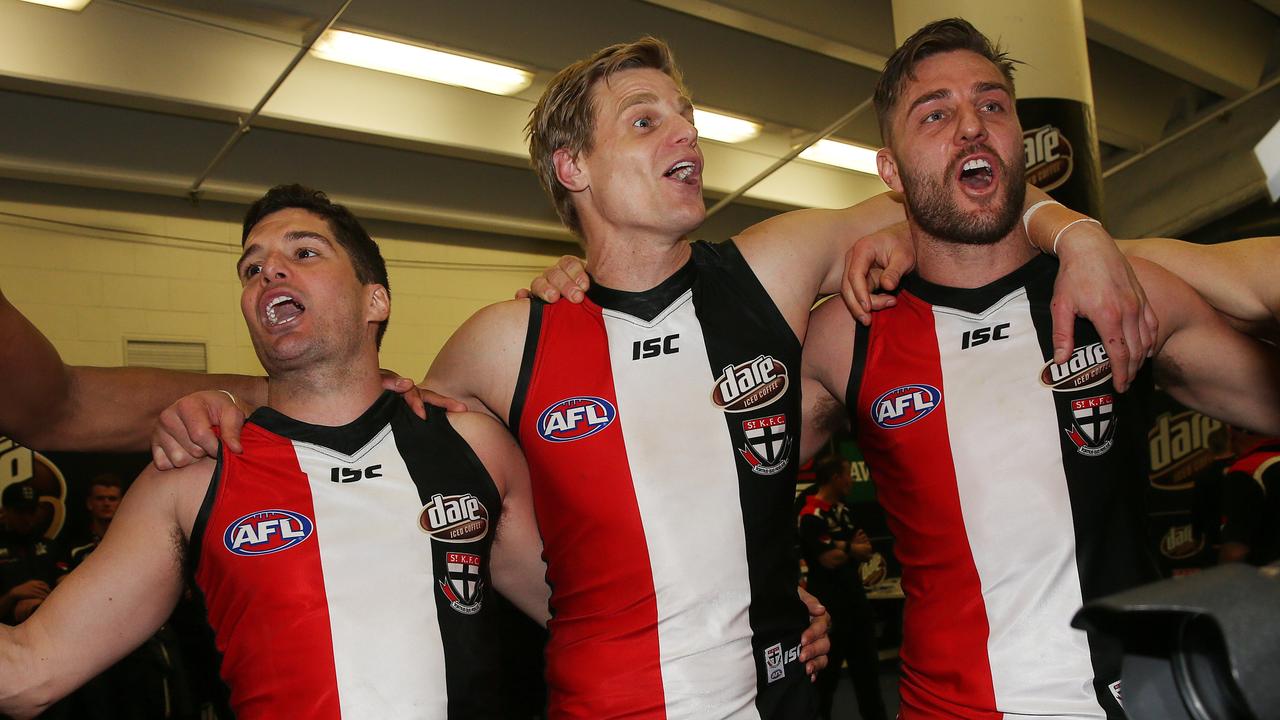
(929, 97)
(983, 86)
(637, 99)
(292, 235)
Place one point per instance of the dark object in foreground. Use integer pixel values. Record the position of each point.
(1204, 647)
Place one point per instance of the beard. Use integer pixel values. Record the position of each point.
(931, 206)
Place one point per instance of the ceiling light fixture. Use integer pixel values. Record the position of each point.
(72, 5)
(725, 128)
(415, 61)
(845, 155)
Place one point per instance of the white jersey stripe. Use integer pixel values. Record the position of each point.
(1013, 500)
(693, 529)
(380, 627)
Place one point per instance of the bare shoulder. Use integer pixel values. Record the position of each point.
(491, 442)
(479, 363)
(179, 492)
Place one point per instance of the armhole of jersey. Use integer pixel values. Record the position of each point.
(861, 339)
(196, 543)
(526, 367)
(739, 268)
(467, 451)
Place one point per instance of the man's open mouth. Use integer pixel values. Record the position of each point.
(681, 171)
(977, 174)
(282, 310)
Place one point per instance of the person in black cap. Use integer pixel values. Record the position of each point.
(28, 561)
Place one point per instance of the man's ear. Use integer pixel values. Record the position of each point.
(887, 165)
(569, 171)
(379, 304)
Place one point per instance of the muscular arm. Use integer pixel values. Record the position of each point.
(479, 363)
(53, 406)
(828, 356)
(518, 570)
(111, 603)
(1237, 278)
(1204, 363)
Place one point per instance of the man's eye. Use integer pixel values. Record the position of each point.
(306, 253)
(251, 270)
(643, 122)
(934, 116)
(991, 106)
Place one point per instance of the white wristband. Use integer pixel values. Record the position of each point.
(1064, 229)
(233, 397)
(1026, 218)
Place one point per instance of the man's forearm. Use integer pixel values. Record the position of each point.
(116, 408)
(21, 694)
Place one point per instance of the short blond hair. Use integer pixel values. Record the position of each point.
(565, 115)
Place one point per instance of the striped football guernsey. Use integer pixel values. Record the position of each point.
(345, 569)
(661, 433)
(1013, 489)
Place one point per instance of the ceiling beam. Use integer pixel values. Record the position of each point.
(1222, 46)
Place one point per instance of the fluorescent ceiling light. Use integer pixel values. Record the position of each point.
(854, 157)
(72, 5)
(419, 62)
(724, 128)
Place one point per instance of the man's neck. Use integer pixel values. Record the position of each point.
(634, 264)
(826, 492)
(969, 266)
(98, 526)
(330, 395)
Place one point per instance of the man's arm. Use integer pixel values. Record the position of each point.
(479, 363)
(1204, 363)
(52, 406)
(111, 603)
(1237, 278)
(824, 372)
(518, 571)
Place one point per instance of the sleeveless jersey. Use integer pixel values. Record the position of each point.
(1013, 489)
(661, 433)
(345, 568)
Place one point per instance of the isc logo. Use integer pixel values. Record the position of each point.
(904, 405)
(575, 418)
(267, 531)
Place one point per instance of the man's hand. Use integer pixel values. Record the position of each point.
(184, 433)
(1095, 282)
(29, 590)
(24, 608)
(876, 262)
(418, 397)
(567, 279)
(814, 643)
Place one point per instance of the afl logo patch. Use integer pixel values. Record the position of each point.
(904, 405)
(750, 385)
(1088, 366)
(455, 518)
(575, 418)
(267, 531)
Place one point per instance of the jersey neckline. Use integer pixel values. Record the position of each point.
(646, 304)
(976, 300)
(343, 438)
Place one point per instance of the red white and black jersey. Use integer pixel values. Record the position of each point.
(345, 569)
(661, 433)
(1013, 489)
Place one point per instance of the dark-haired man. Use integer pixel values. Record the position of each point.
(1008, 479)
(659, 418)
(345, 555)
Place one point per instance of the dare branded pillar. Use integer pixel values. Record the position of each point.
(1055, 95)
